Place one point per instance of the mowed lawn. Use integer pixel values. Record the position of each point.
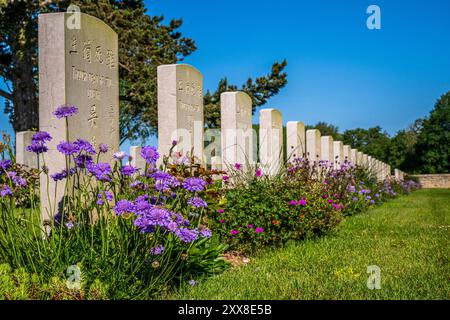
(408, 238)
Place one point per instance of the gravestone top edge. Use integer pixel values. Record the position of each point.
(88, 16)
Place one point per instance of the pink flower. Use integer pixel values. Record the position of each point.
(234, 232)
(302, 202)
(330, 201)
(335, 206)
(220, 211)
(250, 226)
(237, 166)
(225, 178)
(258, 172)
(222, 221)
(293, 203)
(259, 230)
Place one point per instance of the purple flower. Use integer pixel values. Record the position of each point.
(237, 166)
(59, 175)
(197, 202)
(150, 154)
(354, 199)
(156, 251)
(69, 225)
(258, 173)
(41, 136)
(234, 232)
(225, 178)
(194, 184)
(62, 175)
(250, 226)
(128, 170)
(220, 211)
(5, 191)
(68, 148)
(123, 206)
(205, 232)
(65, 111)
(259, 230)
(187, 235)
(351, 189)
(293, 203)
(104, 195)
(101, 171)
(17, 180)
(5, 164)
(192, 283)
(174, 143)
(119, 155)
(85, 146)
(37, 147)
(83, 160)
(335, 206)
(302, 202)
(103, 148)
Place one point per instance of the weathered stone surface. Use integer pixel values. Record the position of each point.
(180, 110)
(238, 139)
(434, 180)
(313, 145)
(77, 67)
(295, 139)
(270, 140)
(23, 140)
(327, 149)
(136, 159)
(365, 161)
(338, 153)
(353, 156)
(359, 158)
(347, 152)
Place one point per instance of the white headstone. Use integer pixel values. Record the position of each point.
(354, 156)
(80, 67)
(347, 153)
(359, 158)
(180, 110)
(338, 154)
(136, 159)
(270, 140)
(23, 140)
(237, 131)
(313, 145)
(327, 149)
(295, 140)
(365, 161)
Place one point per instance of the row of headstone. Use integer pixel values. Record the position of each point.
(79, 66)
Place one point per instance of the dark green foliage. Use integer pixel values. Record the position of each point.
(373, 141)
(260, 90)
(326, 129)
(433, 142)
(145, 42)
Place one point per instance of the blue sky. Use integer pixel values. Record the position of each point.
(338, 70)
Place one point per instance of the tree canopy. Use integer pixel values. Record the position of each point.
(432, 150)
(145, 42)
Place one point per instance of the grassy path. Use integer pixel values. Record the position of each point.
(408, 238)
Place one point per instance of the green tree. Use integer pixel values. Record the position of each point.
(403, 146)
(433, 141)
(372, 141)
(326, 129)
(260, 91)
(144, 43)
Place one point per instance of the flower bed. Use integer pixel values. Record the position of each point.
(138, 232)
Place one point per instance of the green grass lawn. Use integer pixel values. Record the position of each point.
(408, 238)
